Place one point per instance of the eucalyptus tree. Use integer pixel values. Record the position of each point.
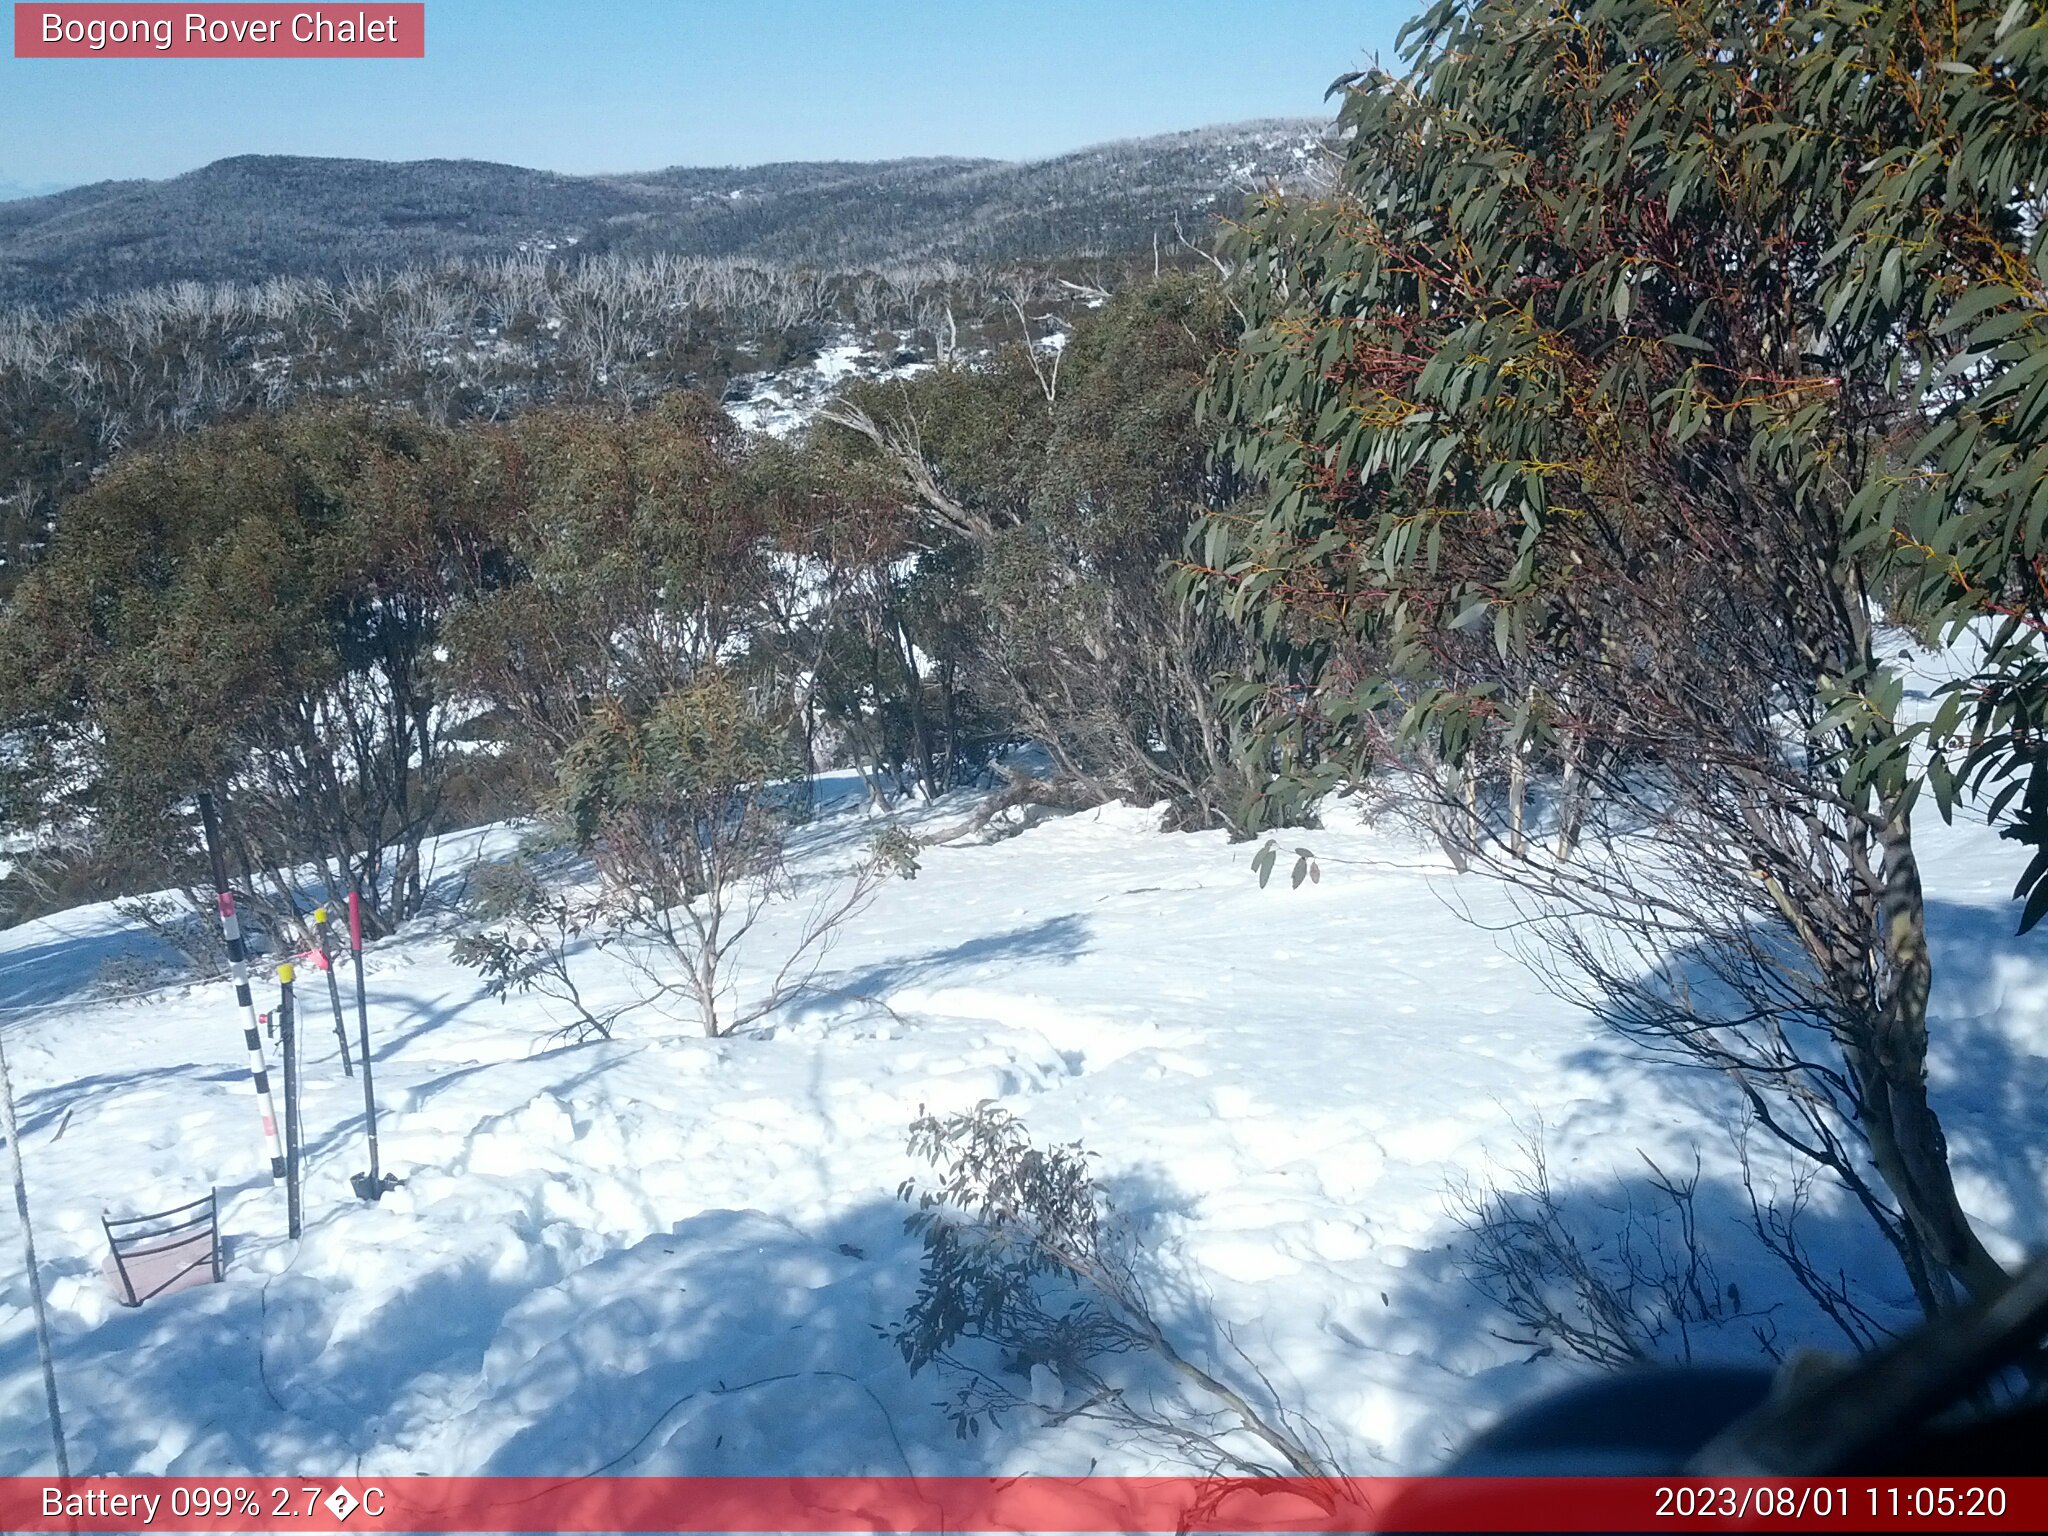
(1644, 356)
(254, 608)
(1050, 494)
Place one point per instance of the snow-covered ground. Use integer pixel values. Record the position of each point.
(783, 400)
(668, 1254)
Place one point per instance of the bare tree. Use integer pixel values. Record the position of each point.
(687, 810)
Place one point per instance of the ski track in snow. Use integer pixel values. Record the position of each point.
(669, 1254)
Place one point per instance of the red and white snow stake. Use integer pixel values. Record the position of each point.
(238, 969)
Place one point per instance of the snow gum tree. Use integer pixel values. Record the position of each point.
(1054, 489)
(632, 555)
(254, 609)
(879, 631)
(637, 655)
(1643, 355)
(680, 805)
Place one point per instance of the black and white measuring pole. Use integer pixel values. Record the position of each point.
(238, 968)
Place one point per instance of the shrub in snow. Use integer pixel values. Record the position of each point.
(687, 810)
(126, 974)
(185, 929)
(1632, 1286)
(526, 940)
(1030, 1293)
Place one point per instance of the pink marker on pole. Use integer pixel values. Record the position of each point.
(325, 960)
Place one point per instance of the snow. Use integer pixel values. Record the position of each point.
(671, 1254)
(782, 401)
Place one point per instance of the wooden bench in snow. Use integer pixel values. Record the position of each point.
(167, 1251)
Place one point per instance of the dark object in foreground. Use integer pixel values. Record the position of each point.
(325, 946)
(369, 1189)
(375, 1184)
(1916, 1407)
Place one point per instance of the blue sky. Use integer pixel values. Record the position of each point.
(637, 84)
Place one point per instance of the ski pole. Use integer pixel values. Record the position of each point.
(238, 968)
(326, 944)
(287, 1042)
(372, 1186)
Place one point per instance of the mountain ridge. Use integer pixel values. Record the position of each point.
(248, 217)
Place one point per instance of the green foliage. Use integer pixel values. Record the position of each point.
(1052, 496)
(629, 555)
(1026, 1258)
(694, 771)
(252, 608)
(1306, 866)
(1018, 1254)
(893, 852)
(2005, 765)
(1641, 348)
(685, 806)
(1592, 258)
(878, 639)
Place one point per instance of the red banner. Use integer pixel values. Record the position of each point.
(241, 31)
(1047, 1504)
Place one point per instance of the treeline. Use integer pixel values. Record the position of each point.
(360, 626)
(463, 342)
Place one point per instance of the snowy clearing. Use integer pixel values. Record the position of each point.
(781, 401)
(667, 1254)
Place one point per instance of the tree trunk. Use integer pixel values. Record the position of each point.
(913, 695)
(1450, 816)
(1518, 797)
(1890, 1065)
(1571, 798)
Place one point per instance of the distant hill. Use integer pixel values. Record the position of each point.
(258, 216)
(14, 189)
